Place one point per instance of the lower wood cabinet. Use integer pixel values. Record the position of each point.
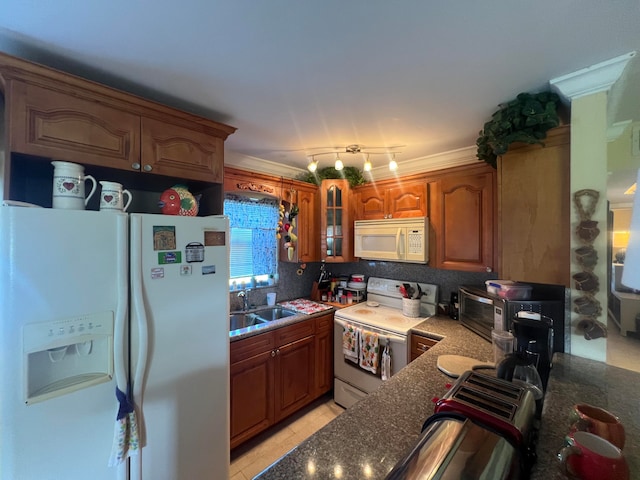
(324, 354)
(276, 373)
(420, 344)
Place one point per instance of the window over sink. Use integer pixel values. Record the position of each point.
(254, 246)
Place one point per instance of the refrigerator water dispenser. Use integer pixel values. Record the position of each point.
(66, 355)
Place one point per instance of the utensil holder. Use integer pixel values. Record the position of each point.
(411, 307)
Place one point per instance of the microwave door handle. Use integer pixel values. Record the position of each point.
(488, 301)
(399, 232)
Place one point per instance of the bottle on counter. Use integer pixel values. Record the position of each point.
(453, 306)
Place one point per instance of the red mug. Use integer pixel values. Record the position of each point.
(590, 457)
(587, 418)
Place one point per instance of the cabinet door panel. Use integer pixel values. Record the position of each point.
(308, 238)
(407, 201)
(177, 151)
(463, 221)
(52, 124)
(324, 354)
(534, 185)
(371, 204)
(252, 393)
(294, 376)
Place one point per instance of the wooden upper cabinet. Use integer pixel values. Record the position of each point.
(391, 200)
(59, 116)
(52, 124)
(336, 221)
(463, 219)
(534, 208)
(308, 237)
(178, 151)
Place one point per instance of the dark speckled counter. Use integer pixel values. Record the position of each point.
(367, 440)
(574, 379)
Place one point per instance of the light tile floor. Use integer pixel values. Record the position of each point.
(252, 457)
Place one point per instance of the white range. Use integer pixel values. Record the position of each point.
(381, 314)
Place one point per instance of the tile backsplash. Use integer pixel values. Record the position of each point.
(296, 282)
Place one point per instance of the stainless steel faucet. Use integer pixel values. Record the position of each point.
(245, 300)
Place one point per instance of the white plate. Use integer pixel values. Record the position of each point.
(372, 304)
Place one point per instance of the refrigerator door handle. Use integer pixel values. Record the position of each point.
(120, 340)
(137, 306)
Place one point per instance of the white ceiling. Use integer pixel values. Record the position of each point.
(294, 76)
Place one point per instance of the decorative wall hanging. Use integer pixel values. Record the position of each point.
(587, 305)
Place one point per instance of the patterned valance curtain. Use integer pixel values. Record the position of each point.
(254, 246)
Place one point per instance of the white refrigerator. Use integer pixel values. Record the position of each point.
(91, 301)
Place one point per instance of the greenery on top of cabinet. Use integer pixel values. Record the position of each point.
(352, 174)
(525, 119)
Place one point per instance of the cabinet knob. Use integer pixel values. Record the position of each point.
(489, 269)
(135, 166)
(273, 353)
(147, 168)
(278, 351)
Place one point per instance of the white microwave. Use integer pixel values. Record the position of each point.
(393, 239)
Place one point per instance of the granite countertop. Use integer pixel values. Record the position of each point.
(579, 380)
(368, 439)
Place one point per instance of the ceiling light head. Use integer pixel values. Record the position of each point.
(367, 165)
(339, 165)
(313, 165)
(393, 165)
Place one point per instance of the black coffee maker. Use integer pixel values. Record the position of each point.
(533, 334)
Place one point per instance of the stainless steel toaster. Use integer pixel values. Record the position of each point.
(452, 447)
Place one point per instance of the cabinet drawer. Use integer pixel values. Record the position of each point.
(294, 332)
(249, 347)
(420, 344)
(324, 323)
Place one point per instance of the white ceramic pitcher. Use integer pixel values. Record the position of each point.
(68, 186)
(112, 197)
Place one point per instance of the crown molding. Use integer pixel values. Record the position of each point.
(255, 164)
(596, 78)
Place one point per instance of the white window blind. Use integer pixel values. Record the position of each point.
(254, 246)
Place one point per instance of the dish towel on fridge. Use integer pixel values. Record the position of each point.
(369, 354)
(350, 335)
(386, 363)
(126, 441)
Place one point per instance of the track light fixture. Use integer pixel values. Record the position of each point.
(353, 149)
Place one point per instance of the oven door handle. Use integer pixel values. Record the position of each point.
(387, 336)
(488, 301)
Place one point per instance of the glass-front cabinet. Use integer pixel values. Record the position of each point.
(337, 222)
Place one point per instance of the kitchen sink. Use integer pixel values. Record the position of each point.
(274, 313)
(238, 320)
(243, 320)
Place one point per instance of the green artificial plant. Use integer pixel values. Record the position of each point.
(352, 174)
(525, 119)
